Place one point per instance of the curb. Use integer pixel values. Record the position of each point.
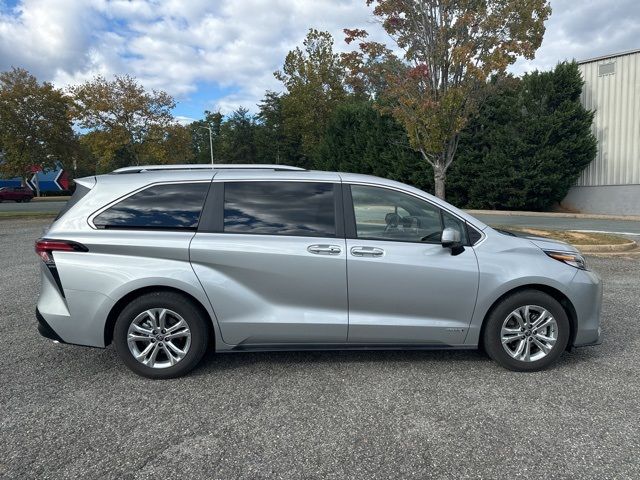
(516, 213)
(627, 254)
(50, 199)
(620, 247)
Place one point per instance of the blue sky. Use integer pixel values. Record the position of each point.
(221, 54)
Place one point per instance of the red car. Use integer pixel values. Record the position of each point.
(17, 194)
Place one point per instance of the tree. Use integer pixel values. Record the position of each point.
(450, 49)
(201, 145)
(126, 122)
(35, 125)
(527, 145)
(275, 141)
(360, 139)
(170, 144)
(237, 138)
(314, 82)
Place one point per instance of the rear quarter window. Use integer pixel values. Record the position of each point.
(167, 206)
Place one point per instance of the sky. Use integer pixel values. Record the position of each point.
(221, 54)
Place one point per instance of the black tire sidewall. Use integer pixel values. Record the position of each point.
(492, 341)
(179, 304)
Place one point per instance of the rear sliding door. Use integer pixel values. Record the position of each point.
(271, 258)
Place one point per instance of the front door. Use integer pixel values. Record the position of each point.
(404, 288)
(275, 270)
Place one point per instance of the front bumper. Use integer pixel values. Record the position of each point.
(586, 296)
(597, 341)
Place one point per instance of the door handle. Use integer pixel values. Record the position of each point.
(324, 249)
(367, 252)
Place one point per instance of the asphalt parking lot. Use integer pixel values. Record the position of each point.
(71, 412)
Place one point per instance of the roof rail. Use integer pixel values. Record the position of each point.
(203, 166)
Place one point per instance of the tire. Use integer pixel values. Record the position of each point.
(177, 308)
(504, 315)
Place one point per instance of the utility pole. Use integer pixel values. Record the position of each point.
(210, 142)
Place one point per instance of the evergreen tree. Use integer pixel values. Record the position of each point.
(237, 138)
(361, 140)
(275, 142)
(200, 143)
(528, 144)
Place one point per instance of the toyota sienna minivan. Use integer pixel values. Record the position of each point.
(166, 262)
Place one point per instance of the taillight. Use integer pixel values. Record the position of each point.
(45, 247)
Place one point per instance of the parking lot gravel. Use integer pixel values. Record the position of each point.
(72, 412)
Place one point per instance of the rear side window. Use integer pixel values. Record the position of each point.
(280, 208)
(169, 206)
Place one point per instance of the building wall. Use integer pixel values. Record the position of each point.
(604, 199)
(615, 98)
(612, 90)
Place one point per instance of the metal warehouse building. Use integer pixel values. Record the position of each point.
(611, 183)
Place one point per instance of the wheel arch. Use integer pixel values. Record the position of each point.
(126, 299)
(562, 299)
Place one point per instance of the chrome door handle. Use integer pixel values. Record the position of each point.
(324, 249)
(367, 252)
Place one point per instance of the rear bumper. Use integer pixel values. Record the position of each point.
(45, 329)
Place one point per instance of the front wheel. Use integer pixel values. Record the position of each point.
(161, 335)
(527, 331)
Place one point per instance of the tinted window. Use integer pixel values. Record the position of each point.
(384, 214)
(473, 234)
(280, 208)
(162, 206)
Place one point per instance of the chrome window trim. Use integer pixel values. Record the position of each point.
(124, 197)
(399, 190)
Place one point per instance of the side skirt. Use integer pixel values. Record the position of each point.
(342, 346)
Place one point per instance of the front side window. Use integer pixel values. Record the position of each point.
(383, 214)
(168, 206)
(280, 208)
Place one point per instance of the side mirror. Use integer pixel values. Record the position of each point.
(452, 239)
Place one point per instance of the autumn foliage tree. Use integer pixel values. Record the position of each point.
(313, 77)
(450, 48)
(35, 125)
(128, 125)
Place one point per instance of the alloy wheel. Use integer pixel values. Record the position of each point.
(529, 333)
(159, 338)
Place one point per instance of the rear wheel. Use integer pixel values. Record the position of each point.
(527, 331)
(161, 335)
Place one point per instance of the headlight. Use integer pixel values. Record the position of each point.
(573, 259)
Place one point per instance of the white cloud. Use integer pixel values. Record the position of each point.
(236, 45)
(586, 29)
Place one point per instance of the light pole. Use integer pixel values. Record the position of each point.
(210, 142)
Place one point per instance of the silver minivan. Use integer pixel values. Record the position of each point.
(168, 261)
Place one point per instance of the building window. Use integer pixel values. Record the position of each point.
(606, 69)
